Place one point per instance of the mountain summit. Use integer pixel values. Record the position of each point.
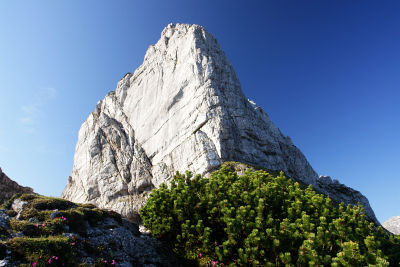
(182, 109)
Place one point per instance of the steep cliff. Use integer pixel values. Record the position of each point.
(182, 109)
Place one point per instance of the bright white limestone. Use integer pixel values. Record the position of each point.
(393, 225)
(182, 109)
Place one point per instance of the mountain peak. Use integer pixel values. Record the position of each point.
(182, 109)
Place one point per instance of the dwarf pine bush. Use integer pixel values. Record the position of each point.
(258, 219)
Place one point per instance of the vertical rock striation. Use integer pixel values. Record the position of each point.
(8, 188)
(182, 109)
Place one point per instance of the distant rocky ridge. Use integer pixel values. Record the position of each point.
(339, 192)
(8, 188)
(393, 225)
(182, 109)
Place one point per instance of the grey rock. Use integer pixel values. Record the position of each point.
(124, 264)
(109, 223)
(55, 214)
(126, 246)
(8, 262)
(182, 109)
(17, 234)
(71, 235)
(133, 227)
(8, 188)
(4, 220)
(393, 225)
(34, 220)
(66, 228)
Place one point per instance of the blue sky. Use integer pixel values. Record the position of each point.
(327, 73)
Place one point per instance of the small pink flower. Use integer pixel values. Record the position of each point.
(33, 264)
(105, 261)
(37, 225)
(56, 258)
(49, 261)
(200, 255)
(113, 262)
(42, 224)
(73, 243)
(213, 263)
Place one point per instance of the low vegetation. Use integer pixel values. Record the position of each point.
(256, 218)
(36, 236)
(263, 219)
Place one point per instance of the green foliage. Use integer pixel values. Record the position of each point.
(259, 219)
(42, 249)
(43, 236)
(7, 204)
(50, 203)
(50, 227)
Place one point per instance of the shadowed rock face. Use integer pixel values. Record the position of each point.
(8, 188)
(393, 225)
(182, 109)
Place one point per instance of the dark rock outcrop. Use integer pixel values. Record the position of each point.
(8, 188)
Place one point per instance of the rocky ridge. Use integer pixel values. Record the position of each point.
(9, 187)
(182, 109)
(392, 225)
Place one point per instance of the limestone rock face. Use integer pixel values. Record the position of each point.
(393, 225)
(8, 188)
(182, 109)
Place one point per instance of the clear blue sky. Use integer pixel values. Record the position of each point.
(327, 73)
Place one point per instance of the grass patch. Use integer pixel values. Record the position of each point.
(47, 203)
(43, 236)
(42, 249)
(49, 227)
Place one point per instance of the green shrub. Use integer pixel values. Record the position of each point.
(43, 239)
(262, 220)
(7, 204)
(41, 250)
(49, 227)
(50, 203)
